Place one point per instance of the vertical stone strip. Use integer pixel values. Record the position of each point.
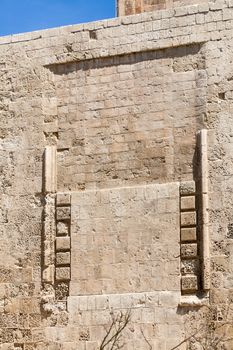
(49, 223)
(203, 149)
(188, 237)
(50, 180)
(63, 245)
(49, 230)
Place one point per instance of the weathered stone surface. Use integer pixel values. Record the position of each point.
(189, 283)
(62, 228)
(113, 252)
(121, 102)
(187, 188)
(130, 7)
(63, 258)
(190, 267)
(63, 273)
(188, 250)
(63, 213)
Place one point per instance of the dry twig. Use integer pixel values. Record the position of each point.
(114, 333)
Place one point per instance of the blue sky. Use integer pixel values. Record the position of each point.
(18, 16)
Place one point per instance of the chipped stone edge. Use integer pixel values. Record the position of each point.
(194, 300)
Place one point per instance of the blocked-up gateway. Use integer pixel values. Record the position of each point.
(116, 181)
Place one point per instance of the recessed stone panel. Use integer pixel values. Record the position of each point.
(115, 246)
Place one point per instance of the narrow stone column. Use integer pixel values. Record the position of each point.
(50, 169)
(49, 222)
(49, 230)
(203, 149)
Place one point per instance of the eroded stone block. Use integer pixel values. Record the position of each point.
(189, 267)
(62, 290)
(187, 188)
(188, 250)
(63, 273)
(63, 213)
(63, 258)
(48, 274)
(189, 283)
(62, 228)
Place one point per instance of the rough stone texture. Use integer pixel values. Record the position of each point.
(123, 240)
(118, 136)
(63, 258)
(130, 7)
(122, 101)
(188, 250)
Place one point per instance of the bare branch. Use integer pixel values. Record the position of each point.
(146, 340)
(115, 331)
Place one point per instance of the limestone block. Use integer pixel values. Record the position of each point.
(187, 188)
(189, 250)
(62, 228)
(62, 290)
(50, 166)
(49, 106)
(48, 274)
(189, 267)
(188, 234)
(63, 199)
(63, 213)
(188, 219)
(130, 265)
(62, 243)
(63, 258)
(48, 259)
(62, 273)
(187, 203)
(189, 283)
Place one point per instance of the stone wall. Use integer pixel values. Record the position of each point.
(102, 164)
(117, 124)
(130, 7)
(121, 240)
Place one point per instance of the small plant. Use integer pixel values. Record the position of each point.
(211, 331)
(113, 337)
